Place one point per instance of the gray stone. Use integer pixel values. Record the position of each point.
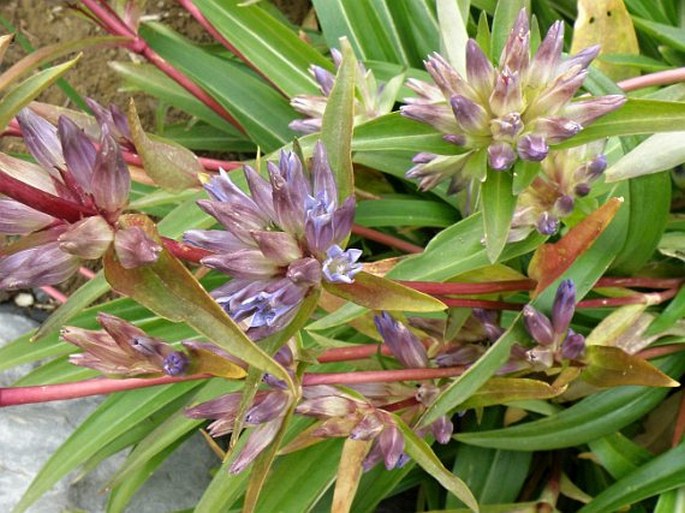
(30, 434)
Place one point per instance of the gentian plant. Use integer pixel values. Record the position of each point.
(446, 259)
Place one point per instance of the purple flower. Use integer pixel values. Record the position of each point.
(404, 345)
(370, 101)
(70, 166)
(280, 241)
(565, 176)
(515, 110)
(123, 350)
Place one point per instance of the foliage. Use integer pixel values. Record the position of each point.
(342, 299)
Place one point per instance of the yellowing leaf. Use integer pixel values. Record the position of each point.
(608, 24)
(612, 367)
(349, 473)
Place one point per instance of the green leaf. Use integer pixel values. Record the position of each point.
(266, 44)
(258, 108)
(336, 130)
(595, 416)
(87, 293)
(611, 367)
(362, 24)
(664, 472)
(656, 153)
(26, 91)
(669, 316)
(498, 203)
(422, 454)
(505, 390)
(171, 166)
(503, 22)
(493, 475)
(618, 454)
(672, 36)
(114, 417)
(635, 117)
(649, 204)
(378, 293)
(452, 18)
(170, 290)
(404, 212)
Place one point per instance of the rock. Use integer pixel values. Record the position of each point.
(30, 434)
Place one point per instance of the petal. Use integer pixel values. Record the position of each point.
(246, 263)
(111, 181)
(479, 69)
(277, 247)
(217, 241)
(19, 219)
(516, 52)
(135, 248)
(547, 57)
(89, 238)
(438, 115)
(79, 152)
(36, 266)
(501, 156)
(322, 175)
(41, 139)
(261, 191)
(258, 440)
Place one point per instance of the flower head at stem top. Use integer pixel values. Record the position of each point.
(371, 99)
(513, 111)
(78, 189)
(556, 341)
(566, 176)
(280, 241)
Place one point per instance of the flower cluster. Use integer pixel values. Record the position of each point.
(565, 176)
(280, 242)
(371, 99)
(556, 340)
(79, 188)
(514, 111)
(124, 350)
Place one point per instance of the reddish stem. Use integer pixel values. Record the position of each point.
(658, 351)
(41, 200)
(114, 25)
(480, 303)
(384, 238)
(380, 376)
(84, 271)
(669, 76)
(189, 6)
(185, 251)
(209, 164)
(54, 294)
(98, 386)
(637, 281)
(651, 298)
(429, 287)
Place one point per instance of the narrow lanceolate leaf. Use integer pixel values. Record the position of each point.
(78, 300)
(337, 124)
(498, 209)
(349, 473)
(595, 416)
(22, 94)
(613, 367)
(171, 166)
(266, 43)
(504, 390)
(656, 153)
(376, 293)
(505, 15)
(635, 117)
(453, 35)
(619, 455)
(167, 288)
(550, 261)
(663, 473)
(648, 204)
(423, 455)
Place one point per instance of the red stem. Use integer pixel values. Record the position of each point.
(185, 251)
(379, 376)
(429, 287)
(98, 386)
(651, 298)
(480, 303)
(669, 76)
(114, 25)
(41, 200)
(209, 164)
(189, 6)
(386, 239)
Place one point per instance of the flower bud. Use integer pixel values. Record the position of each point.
(564, 307)
(442, 429)
(538, 325)
(89, 238)
(272, 406)
(501, 156)
(368, 428)
(532, 147)
(573, 346)
(175, 363)
(403, 344)
(391, 445)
